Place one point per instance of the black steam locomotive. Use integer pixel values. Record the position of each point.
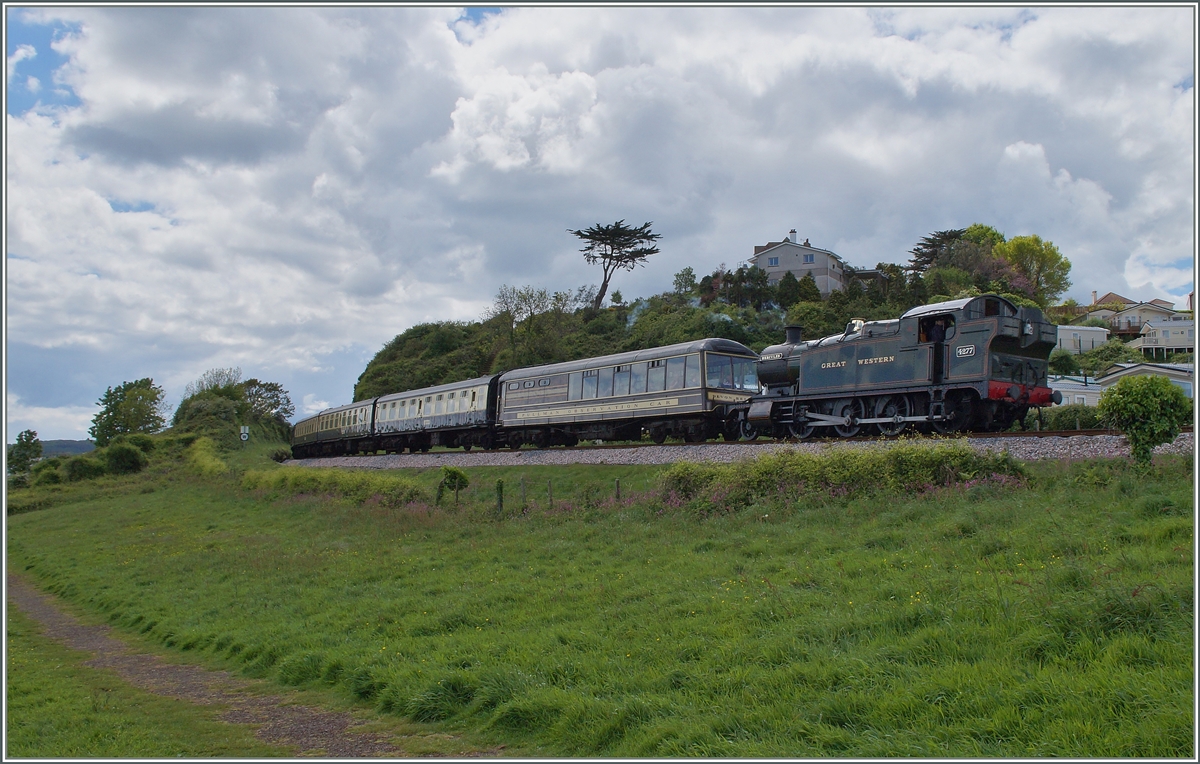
(974, 363)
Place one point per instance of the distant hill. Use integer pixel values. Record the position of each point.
(66, 447)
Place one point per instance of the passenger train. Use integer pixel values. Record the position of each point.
(973, 363)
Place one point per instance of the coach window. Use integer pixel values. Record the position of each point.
(744, 374)
(574, 386)
(589, 383)
(545, 382)
(675, 373)
(637, 378)
(656, 376)
(439, 405)
(720, 371)
(621, 380)
(527, 384)
(604, 388)
(451, 404)
(691, 374)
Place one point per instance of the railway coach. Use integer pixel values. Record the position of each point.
(686, 390)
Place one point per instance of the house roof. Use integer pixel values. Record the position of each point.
(807, 247)
(1173, 370)
(1113, 297)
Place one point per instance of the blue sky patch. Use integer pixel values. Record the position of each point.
(25, 93)
(120, 206)
(477, 13)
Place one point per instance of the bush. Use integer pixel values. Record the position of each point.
(356, 486)
(138, 440)
(83, 468)
(1065, 417)
(281, 455)
(202, 457)
(125, 459)
(715, 488)
(1148, 409)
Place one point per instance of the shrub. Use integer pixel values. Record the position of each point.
(453, 479)
(124, 459)
(281, 455)
(901, 468)
(1066, 417)
(83, 468)
(1148, 409)
(356, 486)
(139, 440)
(202, 457)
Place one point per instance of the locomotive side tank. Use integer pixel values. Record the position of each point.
(977, 362)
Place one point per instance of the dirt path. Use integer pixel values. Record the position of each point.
(311, 731)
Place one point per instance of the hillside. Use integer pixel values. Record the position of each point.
(448, 351)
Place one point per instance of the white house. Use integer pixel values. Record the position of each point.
(1080, 339)
(1179, 373)
(1077, 390)
(779, 257)
(1174, 335)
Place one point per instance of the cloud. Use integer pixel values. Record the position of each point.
(285, 189)
(22, 53)
(51, 423)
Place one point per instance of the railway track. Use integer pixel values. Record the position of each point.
(1068, 444)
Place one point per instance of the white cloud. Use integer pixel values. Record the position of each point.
(22, 53)
(50, 422)
(285, 189)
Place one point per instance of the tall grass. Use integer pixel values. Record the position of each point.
(983, 610)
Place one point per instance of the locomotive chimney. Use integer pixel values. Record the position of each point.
(792, 334)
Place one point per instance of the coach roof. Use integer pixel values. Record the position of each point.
(953, 305)
(633, 356)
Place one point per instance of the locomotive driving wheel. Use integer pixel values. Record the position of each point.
(801, 430)
(850, 409)
(746, 431)
(895, 407)
(958, 409)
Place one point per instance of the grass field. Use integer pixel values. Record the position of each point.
(1044, 616)
(59, 707)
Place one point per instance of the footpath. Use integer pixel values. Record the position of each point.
(306, 730)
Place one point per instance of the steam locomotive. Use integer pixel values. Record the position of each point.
(974, 363)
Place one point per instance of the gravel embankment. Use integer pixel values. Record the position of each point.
(1077, 447)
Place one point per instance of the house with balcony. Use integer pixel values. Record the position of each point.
(1161, 339)
(1127, 322)
(779, 257)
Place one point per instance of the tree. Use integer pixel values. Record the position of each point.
(266, 400)
(131, 407)
(927, 250)
(1063, 362)
(214, 379)
(809, 291)
(985, 235)
(685, 281)
(1148, 409)
(23, 453)
(788, 290)
(1041, 263)
(616, 247)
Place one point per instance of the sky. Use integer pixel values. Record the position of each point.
(284, 190)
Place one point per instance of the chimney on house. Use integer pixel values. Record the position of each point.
(792, 236)
(1093, 297)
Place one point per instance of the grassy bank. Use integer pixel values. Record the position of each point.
(1040, 614)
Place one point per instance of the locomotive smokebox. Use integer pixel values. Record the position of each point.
(792, 335)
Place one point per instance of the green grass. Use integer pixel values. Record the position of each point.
(57, 707)
(1049, 616)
